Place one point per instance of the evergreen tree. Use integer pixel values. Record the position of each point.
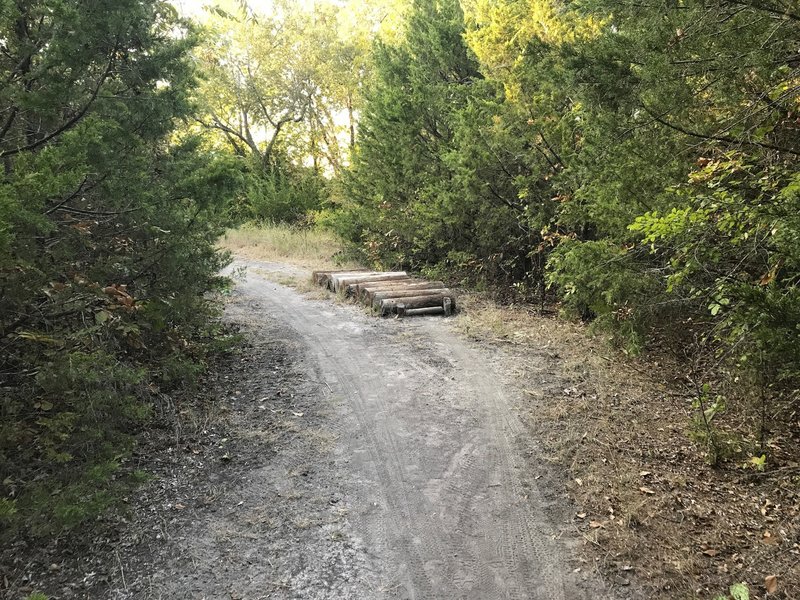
(107, 226)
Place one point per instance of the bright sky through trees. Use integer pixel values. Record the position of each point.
(194, 8)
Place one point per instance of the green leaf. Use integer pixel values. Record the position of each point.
(740, 591)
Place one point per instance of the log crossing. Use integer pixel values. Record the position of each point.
(389, 293)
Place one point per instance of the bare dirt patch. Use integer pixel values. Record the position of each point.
(234, 508)
(494, 455)
(343, 456)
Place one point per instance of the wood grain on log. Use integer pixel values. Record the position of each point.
(358, 288)
(334, 277)
(340, 282)
(368, 292)
(418, 293)
(410, 312)
(389, 305)
(317, 276)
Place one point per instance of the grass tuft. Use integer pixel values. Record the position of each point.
(308, 248)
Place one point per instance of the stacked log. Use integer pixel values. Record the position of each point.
(367, 294)
(390, 293)
(323, 278)
(343, 282)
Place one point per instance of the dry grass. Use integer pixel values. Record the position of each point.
(308, 248)
(650, 509)
(615, 431)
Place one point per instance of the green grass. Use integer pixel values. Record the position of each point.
(310, 248)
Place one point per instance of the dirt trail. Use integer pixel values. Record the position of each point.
(406, 475)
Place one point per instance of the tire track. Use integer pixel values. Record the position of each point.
(433, 476)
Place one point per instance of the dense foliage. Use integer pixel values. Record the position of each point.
(108, 221)
(638, 161)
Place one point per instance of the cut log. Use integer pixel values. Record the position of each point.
(368, 292)
(323, 277)
(358, 288)
(350, 285)
(402, 311)
(415, 293)
(341, 282)
(317, 276)
(447, 306)
(389, 305)
(335, 277)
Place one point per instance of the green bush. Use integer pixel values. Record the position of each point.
(284, 194)
(108, 222)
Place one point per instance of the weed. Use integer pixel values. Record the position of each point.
(279, 242)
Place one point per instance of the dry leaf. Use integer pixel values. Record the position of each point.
(771, 583)
(580, 515)
(711, 552)
(644, 473)
(770, 539)
(597, 524)
(645, 490)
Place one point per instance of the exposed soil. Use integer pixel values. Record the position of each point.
(345, 456)
(650, 508)
(348, 457)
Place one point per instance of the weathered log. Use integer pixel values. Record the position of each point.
(433, 310)
(447, 306)
(415, 293)
(368, 293)
(389, 305)
(340, 282)
(358, 288)
(350, 285)
(317, 276)
(334, 277)
(323, 277)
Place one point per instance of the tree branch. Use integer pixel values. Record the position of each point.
(75, 119)
(717, 138)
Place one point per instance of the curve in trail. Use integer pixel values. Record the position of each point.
(427, 457)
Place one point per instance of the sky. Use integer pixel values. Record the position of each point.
(194, 8)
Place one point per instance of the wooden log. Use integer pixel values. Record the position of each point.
(350, 285)
(334, 277)
(368, 293)
(410, 312)
(447, 307)
(358, 288)
(340, 282)
(323, 277)
(317, 276)
(389, 305)
(418, 293)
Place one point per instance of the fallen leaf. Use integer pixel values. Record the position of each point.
(771, 583)
(597, 524)
(711, 552)
(297, 414)
(644, 473)
(770, 539)
(646, 490)
(579, 481)
(580, 515)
